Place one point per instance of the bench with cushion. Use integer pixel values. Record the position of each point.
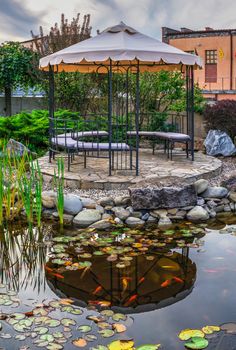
(169, 137)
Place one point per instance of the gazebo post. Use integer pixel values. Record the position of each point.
(110, 114)
(192, 109)
(137, 106)
(51, 109)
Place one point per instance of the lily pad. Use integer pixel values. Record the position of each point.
(84, 328)
(80, 342)
(90, 337)
(186, 334)
(197, 343)
(68, 322)
(210, 329)
(229, 327)
(52, 322)
(119, 317)
(55, 346)
(41, 330)
(121, 345)
(119, 327)
(148, 347)
(106, 333)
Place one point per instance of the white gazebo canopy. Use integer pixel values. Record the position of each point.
(119, 45)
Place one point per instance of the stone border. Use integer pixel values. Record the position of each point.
(107, 212)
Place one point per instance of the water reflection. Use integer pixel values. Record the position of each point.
(151, 280)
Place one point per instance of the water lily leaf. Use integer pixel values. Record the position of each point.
(86, 255)
(80, 342)
(107, 313)
(85, 264)
(20, 337)
(121, 265)
(229, 327)
(90, 337)
(72, 310)
(47, 337)
(58, 261)
(18, 316)
(52, 323)
(5, 335)
(121, 345)
(150, 257)
(118, 327)
(197, 343)
(103, 325)
(66, 301)
(95, 319)
(84, 328)
(41, 330)
(68, 322)
(55, 304)
(112, 257)
(210, 329)
(119, 317)
(41, 320)
(23, 325)
(98, 253)
(54, 346)
(186, 334)
(148, 347)
(106, 333)
(58, 335)
(40, 311)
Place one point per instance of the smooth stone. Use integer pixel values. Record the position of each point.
(188, 208)
(201, 185)
(211, 204)
(215, 192)
(121, 213)
(72, 204)
(87, 217)
(219, 208)
(151, 220)
(67, 218)
(100, 209)
(159, 213)
(200, 201)
(197, 214)
(107, 216)
(122, 201)
(232, 196)
(227, 207)
(48, 214)
(232, 206)
(164, 221)
(107, 201)
(134, 222)
(212, 214)
(137, 214)
(88, 203)
(172, 211)
(101, 225)
(182, 213)
(225, 201)
(118, 221)
(130, 209)
(49, 199)
(145, 217)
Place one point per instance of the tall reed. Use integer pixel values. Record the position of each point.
(59, 185)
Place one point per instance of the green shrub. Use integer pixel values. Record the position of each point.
(221, 116)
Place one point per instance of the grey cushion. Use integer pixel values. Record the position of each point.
(63, 142)
(78, 135)
(175, 136)
(102, 146)
(142, 133)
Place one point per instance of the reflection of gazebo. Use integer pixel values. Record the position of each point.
(145, 289)
(122, 50)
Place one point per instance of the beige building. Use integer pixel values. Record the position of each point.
(217, 48)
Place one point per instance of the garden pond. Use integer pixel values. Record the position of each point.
(69, 289)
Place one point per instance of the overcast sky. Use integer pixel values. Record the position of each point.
(17, 17)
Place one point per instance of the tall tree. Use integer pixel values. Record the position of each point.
(59, 37)
(18, 68)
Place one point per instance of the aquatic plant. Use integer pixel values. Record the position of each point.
(59, 185)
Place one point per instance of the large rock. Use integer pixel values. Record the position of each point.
(164, 221)
(17, 148)
(121, 213)
(101, 225)
(107, 201)
(49, 199)
(134, 222)
(72, 204)
(173, 196)
(215, 192)
(230, 182)
(232, 196)
(88, 203)
(87, 217)
(197, 214)
(201, 185)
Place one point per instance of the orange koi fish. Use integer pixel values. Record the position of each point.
(48, 268)
(125, 282)
(166, 283)
(131, 299)
(100, 303)
(142, 279)
(97, 290)
(178, 279)
(57, 275)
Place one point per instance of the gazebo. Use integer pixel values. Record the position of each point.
(123, 50)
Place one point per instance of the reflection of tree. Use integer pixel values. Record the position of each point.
(22, 257)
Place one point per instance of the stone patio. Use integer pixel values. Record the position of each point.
(152, 167)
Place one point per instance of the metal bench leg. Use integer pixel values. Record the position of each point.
(50, 156)
(187, 152)
(85, 159)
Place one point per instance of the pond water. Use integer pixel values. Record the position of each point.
(156, 283)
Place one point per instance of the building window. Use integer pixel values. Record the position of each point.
(211, 66)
